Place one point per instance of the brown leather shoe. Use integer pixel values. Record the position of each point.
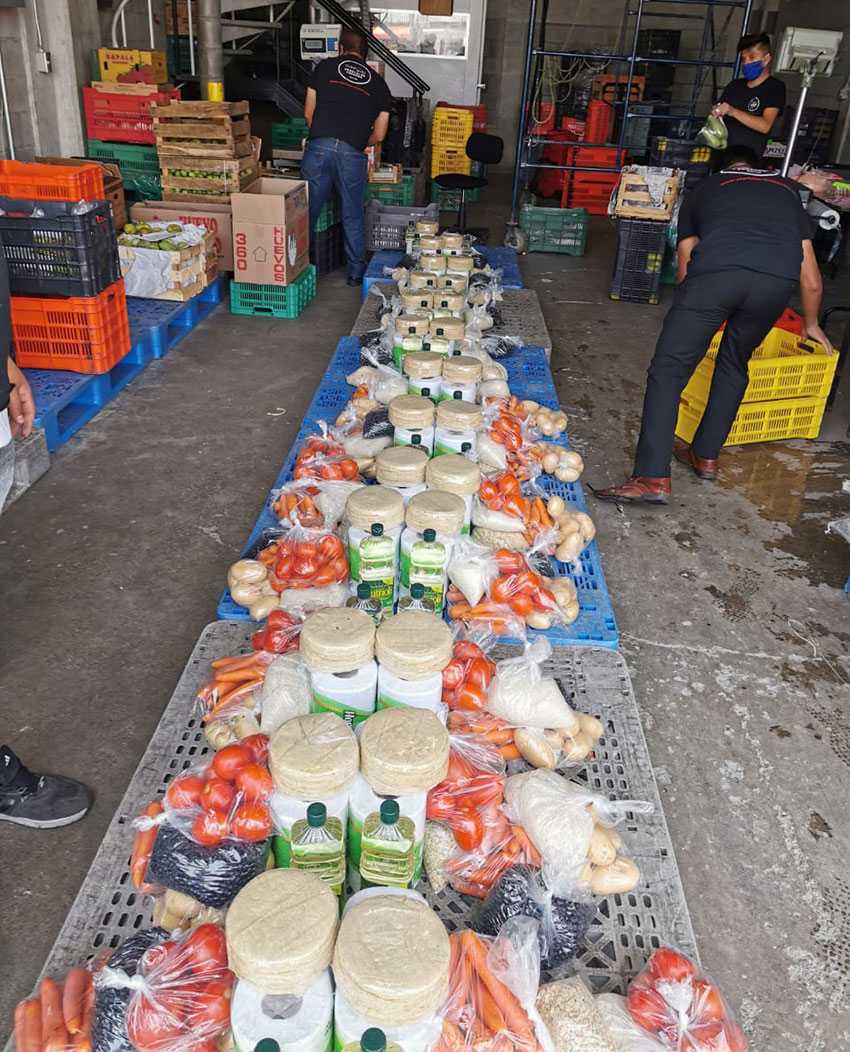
(637, 490)
(705, 469)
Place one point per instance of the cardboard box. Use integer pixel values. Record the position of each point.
(271, 225)
(113, 184)
(436, 7)
(132, 66)
(216, 218)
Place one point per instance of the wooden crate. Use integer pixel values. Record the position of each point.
(634, 200)
(609, 88)
(223, 128)
(114, 87)
(226, 176)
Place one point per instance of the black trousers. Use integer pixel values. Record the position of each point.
(749, 303)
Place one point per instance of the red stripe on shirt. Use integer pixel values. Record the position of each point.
(345, 84)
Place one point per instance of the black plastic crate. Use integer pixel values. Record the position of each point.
(691, 155)
(327, 251)
(640, 257)
(57, 252)
(659, 43)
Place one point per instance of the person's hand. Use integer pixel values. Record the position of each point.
(21, 403)
(723, 109)
(815, 332)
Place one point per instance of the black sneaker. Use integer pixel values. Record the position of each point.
(354, 282)
(40, 801)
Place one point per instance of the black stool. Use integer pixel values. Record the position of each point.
(486, 150)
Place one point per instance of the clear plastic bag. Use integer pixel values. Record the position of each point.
(468, 675)
(58, 1016)
(286, 692)
(109, 1027)
(281, 632)
(323, 456)
(475, 782)
(503, 845)
(232, 683)
(492, 989)
(572, 1017)
(308, 559)
(294, 503)
(564, 911)
(714, 132)
(679, 1005)
(179, 992)
(378, 344)
(625, 1033)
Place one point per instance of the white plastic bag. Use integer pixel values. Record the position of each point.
(285, 693)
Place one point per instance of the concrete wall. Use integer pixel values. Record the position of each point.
(825, 14)
(45, 108)
(584, 24)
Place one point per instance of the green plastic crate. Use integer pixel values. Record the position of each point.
(331, 213)
(555, 229)
(274, 301)
(139, 165)
(288, 134)
(402, 193)
(449, 200)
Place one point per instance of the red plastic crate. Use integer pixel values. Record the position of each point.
(575, 127)
(598, 121)
(83, 334)
(28, 181)
(116, 117)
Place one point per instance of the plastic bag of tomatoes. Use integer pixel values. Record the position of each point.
(475, 781)
(469, 673)
(323, 456)
(178, 995)
(682, 1008)
(503, 845)
(308, 559)
(209, 835)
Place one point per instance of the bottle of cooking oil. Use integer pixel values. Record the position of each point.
(377, 565)
(387, 856)
(428, 567)
(364, 600)
(318, 846)
(372, 1040)
(417, 600)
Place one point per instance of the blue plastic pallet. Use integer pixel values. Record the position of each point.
(503, 258)
(166, 323)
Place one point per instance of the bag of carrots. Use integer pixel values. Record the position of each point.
(58, 1017)
(294, 503)
(492, 991)
(231, 686)
(508, 424)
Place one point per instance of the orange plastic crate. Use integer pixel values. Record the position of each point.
(28, 181)
(87, 334)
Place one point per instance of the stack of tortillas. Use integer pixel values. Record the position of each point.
(401, 466)
(281, 929)
(314, 757)
(414, 644)
(337, 640)
(391, 962)
(403, 751)
(453, 473)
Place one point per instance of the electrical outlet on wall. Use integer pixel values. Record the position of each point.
(45, 64)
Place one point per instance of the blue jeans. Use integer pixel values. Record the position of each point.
(329, 163)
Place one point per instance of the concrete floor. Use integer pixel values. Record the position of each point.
(730, 603)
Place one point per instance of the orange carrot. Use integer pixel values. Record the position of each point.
(452, 1036)
(53, 1035)
(238, 675)
(20, 1031)
(32, 1027)
(509, 752)
(73, 990)
(512, 1011)
(487, 1008)
(545, 517)
(230, 664)
(143, 845)
(231, 696)
(526, 845)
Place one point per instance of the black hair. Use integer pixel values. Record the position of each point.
(354, 40)
(739, 155)
(761, 40)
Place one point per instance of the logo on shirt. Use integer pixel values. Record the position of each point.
(354, 72)
(754, 104)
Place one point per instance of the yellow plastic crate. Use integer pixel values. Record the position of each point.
(758, 421)
(451, 127)
(449, 161)
(781, 367)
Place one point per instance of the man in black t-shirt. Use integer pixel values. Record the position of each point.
(750, 105)
(744, 244)
(348, 109)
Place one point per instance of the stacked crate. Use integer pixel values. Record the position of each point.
(688, 155)
(591, 190)
(640, 257)
(205, 150)
(451, 127)
(68, 307)
(119, 127)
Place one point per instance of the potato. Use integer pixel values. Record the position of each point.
(248, 570)
(616, 839)
(246, 593)
(535, 749)
(586, 523)
(261, 609)
(560, 419)
(550, 463)
(563, 586)
(585, 873)
(555, 739)
(573, 459)
(567, 524)
(556, 506)
(570, 611)
(570, 549)
(219, 734)
(571, 729)
(546, 424)
(341, 420)
(365, 463)
(620, 876)
(567, 474)
(539, 619)
(577, 750)
(530, 405)
(245, 725)
(591, 726)
(601, 851)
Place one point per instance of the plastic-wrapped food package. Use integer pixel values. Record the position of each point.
(175, 996)
(378, 345)
(308, 559)
(564, 917)
(492, 990)
(626, 1035)
(58, 1017)
(294, 502)
(468, 676)
(109, 1027)
(523, 695)
(471, 568)
(474, 782)
(500, 346)
(232, 684)
(376, 423)
(323, 456)
(503, 845)
(286, 692)
(574, 1022)
(678, 1004)
(280, 633)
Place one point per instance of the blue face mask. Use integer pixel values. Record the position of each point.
(752, 70)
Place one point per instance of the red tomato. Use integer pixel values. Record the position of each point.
(184, 792)
(479, 673)
(252, 822)
(206, 952)
(647, 1007)
(258, 746)
(471, 699)
(483, 790)
(305, 550)
(210, 828)
(155, 958)
(488, 491)
(707, 1002)
(304, 568)
(332, 471)
(228, 760)
(467, 650)
(460, 769)
(441, 804)
(348, 468)
(340, 565)
(330, 547)
(209, 1009)
(324, 576)
(667, 964)
(502, 589)
(218, 795)
(283, 566)
(254, 783)
(453, 674)
(522, 605)
(468, 829)
(701, 1038)
(149, 1027)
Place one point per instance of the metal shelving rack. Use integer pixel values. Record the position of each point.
(634, 13)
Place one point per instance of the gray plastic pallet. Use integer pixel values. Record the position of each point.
(521, 314)
(628, 927)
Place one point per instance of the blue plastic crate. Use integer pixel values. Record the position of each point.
(166, 323)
